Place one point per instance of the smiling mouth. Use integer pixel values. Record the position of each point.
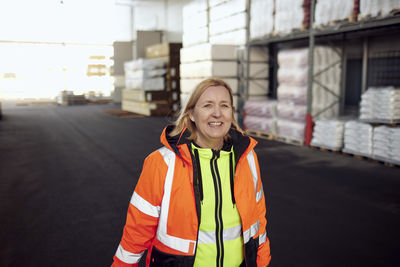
(215, 123)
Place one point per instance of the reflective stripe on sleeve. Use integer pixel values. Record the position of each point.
(144, 206)
(176, 243)
(228, 234)
(253, 169)
(262, 238)
(251, 232)
(127, 256)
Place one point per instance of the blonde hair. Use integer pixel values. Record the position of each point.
(184, 121)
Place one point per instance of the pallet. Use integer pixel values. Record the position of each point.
(392, 123)
(290, 140)
(124, 114)
(386, 162)
(261, 134)
(326, 149)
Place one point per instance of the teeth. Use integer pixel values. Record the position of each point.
(215, 123)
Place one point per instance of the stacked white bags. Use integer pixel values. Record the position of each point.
(386, 143)
(358, 138)
(380, 104)
(328, 134)
(260, 115)
(227, 22)
(261, 18)
(144, 74)
(291, 15)
(376, 8)
(292, 93)
(327, 11)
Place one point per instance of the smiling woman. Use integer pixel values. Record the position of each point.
(199, 200)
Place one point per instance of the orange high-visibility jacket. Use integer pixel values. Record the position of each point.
(164, 211)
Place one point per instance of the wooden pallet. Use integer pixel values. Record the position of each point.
(290, 140)
(325, 149)
(261, 134)
(124, 114)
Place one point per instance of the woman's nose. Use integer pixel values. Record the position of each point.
(217, 111)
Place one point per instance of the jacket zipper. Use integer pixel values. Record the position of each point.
(218, 209)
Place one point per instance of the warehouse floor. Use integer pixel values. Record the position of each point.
(67, 175)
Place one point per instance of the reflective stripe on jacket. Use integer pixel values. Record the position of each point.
(163, 215)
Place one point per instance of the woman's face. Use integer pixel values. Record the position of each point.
(212, 115)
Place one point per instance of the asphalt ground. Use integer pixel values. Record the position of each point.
(67, 175)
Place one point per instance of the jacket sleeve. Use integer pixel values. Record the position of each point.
(143, 213)
(263, 254)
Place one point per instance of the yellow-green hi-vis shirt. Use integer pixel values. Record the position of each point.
(220, 241)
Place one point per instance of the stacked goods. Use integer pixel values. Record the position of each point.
(358, 138)
(293, 83)
(291, 15)
(373, 8)
(261, 18)
(328, 134)
(260, 115)
(292, 93)
(145, 82)
(68, 98)
(380, 104)
(195, 23)
(170, 54)
(227, 22)
(328, 11)
(204, 61)
(386, 143)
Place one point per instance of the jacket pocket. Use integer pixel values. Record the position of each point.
(162, 259)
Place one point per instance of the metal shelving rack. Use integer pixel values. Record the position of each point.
(337, 32)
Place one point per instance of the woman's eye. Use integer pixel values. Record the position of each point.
(207, 105)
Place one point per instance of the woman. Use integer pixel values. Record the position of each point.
(199, 200)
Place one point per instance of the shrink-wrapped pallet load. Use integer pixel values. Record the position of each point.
(261, 18)
(328, 11)
(293, 84)
(328, 134)
(291, 15)
(228, 22)
(358, 138)
(260, 115)
(292, 79)
(152, 83)
(195, 23)
(380, 104)
(381, 8)
(386, 143)
(204, 61)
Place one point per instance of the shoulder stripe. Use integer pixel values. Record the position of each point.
(253, 169)
(180, 244)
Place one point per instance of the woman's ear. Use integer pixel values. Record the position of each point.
(191, 116)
